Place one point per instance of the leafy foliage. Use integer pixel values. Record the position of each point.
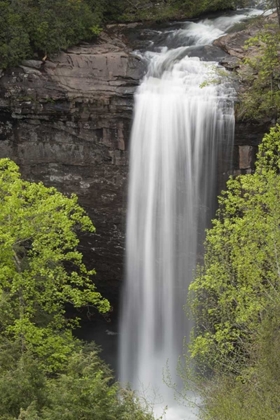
(235, 299)
(84, 390)
(253, 394)
(240, 277)
(261, 76)
(40, 267)
(45, 27)
(45, 373)
(194, 8)
(14, 40)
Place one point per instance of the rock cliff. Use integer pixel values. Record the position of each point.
(66, 122)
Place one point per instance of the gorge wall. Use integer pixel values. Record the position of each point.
(66, 122)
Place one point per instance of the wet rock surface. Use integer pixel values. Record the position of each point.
(234, 44)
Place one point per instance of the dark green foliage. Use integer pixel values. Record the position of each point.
(128, 10)
(86, 391)
(253, 394)
(194, 8)
(22, 381)
(14, 39)
(83, 390)
(45, 27)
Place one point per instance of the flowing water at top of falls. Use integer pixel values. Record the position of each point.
(181, 133)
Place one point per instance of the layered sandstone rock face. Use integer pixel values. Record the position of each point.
(66, 122)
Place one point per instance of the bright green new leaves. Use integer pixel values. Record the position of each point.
(269, 152)
(46, 374)
(241, 275)
(40, 267)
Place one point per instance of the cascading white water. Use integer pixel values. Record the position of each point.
(179, 130)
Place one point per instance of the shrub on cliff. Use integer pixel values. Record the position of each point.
(56, 24)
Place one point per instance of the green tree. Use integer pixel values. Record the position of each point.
(83, 390)
(233, 291)
(14, 39)
(45, 373)
(53, 25)
(194, 8)
(40, 267)
(235, 299)
(45, 26)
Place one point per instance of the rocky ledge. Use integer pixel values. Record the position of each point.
(66, 122)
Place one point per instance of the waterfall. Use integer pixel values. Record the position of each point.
(181, 132)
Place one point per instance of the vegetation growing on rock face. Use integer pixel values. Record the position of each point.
(236, 297)
(260, 77)
(45, 373)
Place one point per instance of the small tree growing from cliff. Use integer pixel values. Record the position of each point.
(40, 267)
